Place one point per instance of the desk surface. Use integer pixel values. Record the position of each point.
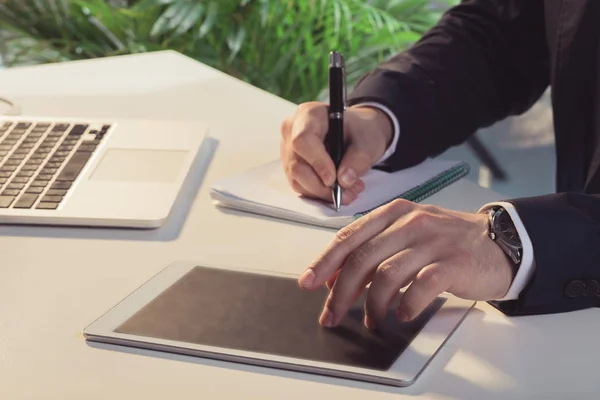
(55, 281)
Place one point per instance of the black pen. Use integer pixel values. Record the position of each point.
(337, 105)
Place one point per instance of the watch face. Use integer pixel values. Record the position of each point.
(506, 230)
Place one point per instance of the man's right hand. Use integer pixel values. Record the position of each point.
(308, 167)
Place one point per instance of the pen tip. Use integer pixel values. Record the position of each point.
(337, 197)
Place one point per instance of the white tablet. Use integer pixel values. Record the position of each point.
(264, 318)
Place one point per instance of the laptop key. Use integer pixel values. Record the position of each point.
(34, 190)
(79, 129)
(6, 201)
(60, 127)
(39, 183)
(74, 167)
(61, 185)
(87, 147)
(66, 147)
(25, 174)
(20, 180)
(26, 200)
(52, 199)
(47, 206)
(13, 185)
(11, 192)
(56, 192)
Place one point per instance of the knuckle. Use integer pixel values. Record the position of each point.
(304, 107)
(397, 203)
(419, 220)
(286, 127)
(398, 206)
(388, 272)
(429, 208)
(344, 234)
(311, 107)
(358, 257)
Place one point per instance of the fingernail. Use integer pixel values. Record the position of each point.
(326, 318)
(348, 177)
(307, 279)
(370, 323)
(401, 316)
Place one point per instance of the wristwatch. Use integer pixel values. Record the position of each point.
(503, 232)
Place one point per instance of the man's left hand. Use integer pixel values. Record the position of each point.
(433, 249)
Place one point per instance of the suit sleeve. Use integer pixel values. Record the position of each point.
(484, 61)
(564, 229)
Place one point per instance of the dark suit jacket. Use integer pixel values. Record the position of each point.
(489, 59)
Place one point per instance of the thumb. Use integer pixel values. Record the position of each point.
(356, 162)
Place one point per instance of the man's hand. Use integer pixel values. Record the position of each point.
(308, 167)
(433, 249)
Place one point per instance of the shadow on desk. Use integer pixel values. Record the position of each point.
(434, 379)
(169, 231)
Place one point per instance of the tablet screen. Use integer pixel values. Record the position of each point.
(270, 315)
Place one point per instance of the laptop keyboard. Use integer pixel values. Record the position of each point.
(39, 161)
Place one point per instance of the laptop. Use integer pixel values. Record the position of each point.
(88, 172)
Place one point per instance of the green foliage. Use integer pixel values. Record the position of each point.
(278, 45)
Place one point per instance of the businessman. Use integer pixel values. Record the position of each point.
(485, 60)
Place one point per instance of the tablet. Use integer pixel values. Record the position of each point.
(264, 318)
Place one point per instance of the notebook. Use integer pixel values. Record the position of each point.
(265, 190)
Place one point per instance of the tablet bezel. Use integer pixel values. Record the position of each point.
(403, 372)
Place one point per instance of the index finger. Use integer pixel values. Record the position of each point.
(345, 241)
(307, 142)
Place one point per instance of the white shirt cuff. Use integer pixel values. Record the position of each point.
(527, 262)
(392, 148)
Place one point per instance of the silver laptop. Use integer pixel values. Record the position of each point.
(124, 173)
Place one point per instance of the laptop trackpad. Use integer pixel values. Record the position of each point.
(140, 165)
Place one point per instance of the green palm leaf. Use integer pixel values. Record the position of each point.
(277, 45)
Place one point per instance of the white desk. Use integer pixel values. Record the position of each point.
(54, 281)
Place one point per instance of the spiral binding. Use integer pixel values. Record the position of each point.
(429, 188)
